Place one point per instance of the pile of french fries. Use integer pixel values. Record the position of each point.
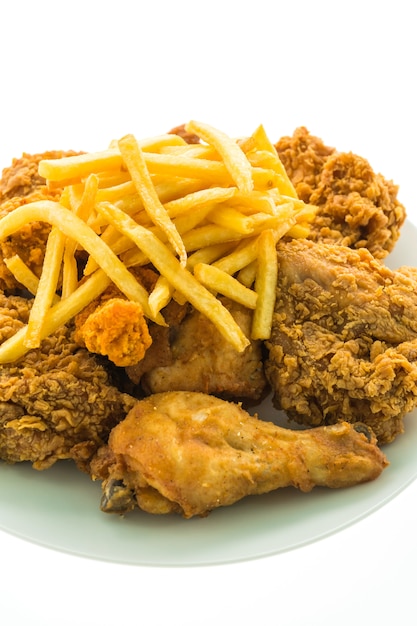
(207, 216)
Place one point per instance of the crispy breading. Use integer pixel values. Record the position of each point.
(356, 207)
(56, 402)
(118, 330)
(344, 338)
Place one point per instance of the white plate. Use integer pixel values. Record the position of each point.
(59, 508)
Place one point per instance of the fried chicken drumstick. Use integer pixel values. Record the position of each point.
(189, 453)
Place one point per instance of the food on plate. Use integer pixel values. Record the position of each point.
(189, 453)
(356, 207)
(196, 357)
(344, 338)
(145, 287)
(189, 210)
(56, 402)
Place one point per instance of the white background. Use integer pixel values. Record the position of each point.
(78, 74)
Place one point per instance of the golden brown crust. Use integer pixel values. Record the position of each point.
(191, 453)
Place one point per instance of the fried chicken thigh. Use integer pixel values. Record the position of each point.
(344, 338)
(56, 402)
(356, 207)
(189, 453)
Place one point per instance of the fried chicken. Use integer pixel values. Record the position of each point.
(21, 184)
(198, 358)
(118, 330)
(57, 402)
(356, 207)
(190, 453)
(344, 338)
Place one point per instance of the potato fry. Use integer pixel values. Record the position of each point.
(265, 286)
(221, 282)
(24, 275)
(263, 142)
(247, 275)
(233, 157)
(160, 295)
(232, 219)
(242, 255)
(81, 165)
(208, 235)
(204, 197)
(46, 288)
(135, 162)
(209, 254)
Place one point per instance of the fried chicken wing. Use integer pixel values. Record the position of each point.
(21, 184)
(189, 453)
(356, 207)
(344, 338)
(56, 402)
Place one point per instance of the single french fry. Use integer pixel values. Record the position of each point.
(233, 157)
(178, 276)
(221, 282)
(231, 219)
(204, 197)
(69, 270)
(265, 286)
(135, 162)
(46, 287)
(24, 275)
(247, 275)
(208, 235)
(209, 254)
(160, 295)
(242, 255)
(81, 165)
(263, 142)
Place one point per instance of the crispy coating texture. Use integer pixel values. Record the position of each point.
(200, 359)
(344, 338)
(57, 402)
(356, 207)
(21, 184)
(190, 453)
(116, 329)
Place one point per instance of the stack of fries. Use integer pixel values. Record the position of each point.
(207, 216)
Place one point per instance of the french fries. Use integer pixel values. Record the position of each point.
(206, 216)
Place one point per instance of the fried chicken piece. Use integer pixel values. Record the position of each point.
(21, 184)
(118, 330)
(303, 157)
(190, 453)
(56, 402)
(356, 207)
(344, 338)
(202, 360)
